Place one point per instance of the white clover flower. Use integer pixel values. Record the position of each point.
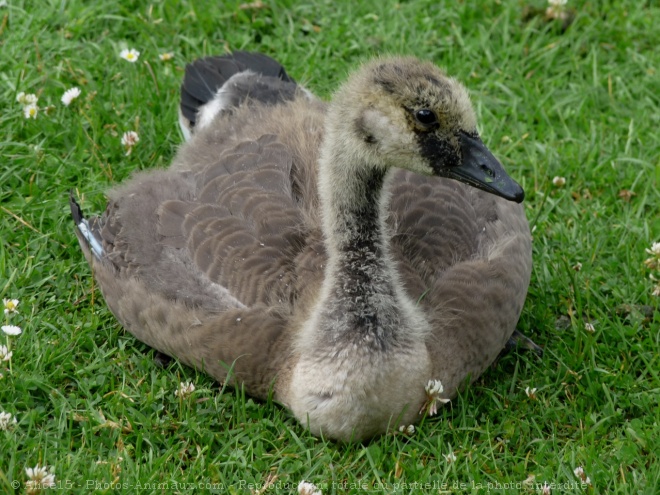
(70, 95)
(30, 111)
(451, 457)
(27, 99)
(577, 266)
(5, 354)
(655, 249)
(7, 420)
(12, 330)
(131, 55)
(654, 261)
(531, 392)
(306, 488)
(559, 181)
(128, 140)
(408, 430)
(434, 387)
(589, 327)
(656, 291)
(184, 390)
(39, 478)
(556, 10)
(433, 390)
(10, 305)
(164, 57)
(579, 472)
(545, 490)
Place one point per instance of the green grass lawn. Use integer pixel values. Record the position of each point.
(583, 104)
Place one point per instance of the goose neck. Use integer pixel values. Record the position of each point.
(361, 298)
(352, 197)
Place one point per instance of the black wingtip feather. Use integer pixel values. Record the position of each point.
(76, 211)
(205, 76)
(262, 64)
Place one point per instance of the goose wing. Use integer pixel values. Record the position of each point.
(207, 260)
(465, 256)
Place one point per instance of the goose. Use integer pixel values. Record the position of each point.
(359, 261)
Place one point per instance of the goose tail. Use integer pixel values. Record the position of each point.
(212, 85)
(86, 230)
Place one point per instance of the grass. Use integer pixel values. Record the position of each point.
(582, 104)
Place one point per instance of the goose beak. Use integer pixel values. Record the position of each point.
(480, 169)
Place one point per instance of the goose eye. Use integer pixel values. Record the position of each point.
(426, 117)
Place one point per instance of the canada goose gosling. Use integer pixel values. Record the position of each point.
(362, 359)
(284, 253)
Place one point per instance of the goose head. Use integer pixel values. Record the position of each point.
(402, 112)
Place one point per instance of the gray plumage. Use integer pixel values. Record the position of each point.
(283, 243)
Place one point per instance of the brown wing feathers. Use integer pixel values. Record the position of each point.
(243, 212)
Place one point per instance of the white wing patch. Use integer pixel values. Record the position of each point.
(93, 242)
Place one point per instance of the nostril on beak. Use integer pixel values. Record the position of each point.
(487, 170)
